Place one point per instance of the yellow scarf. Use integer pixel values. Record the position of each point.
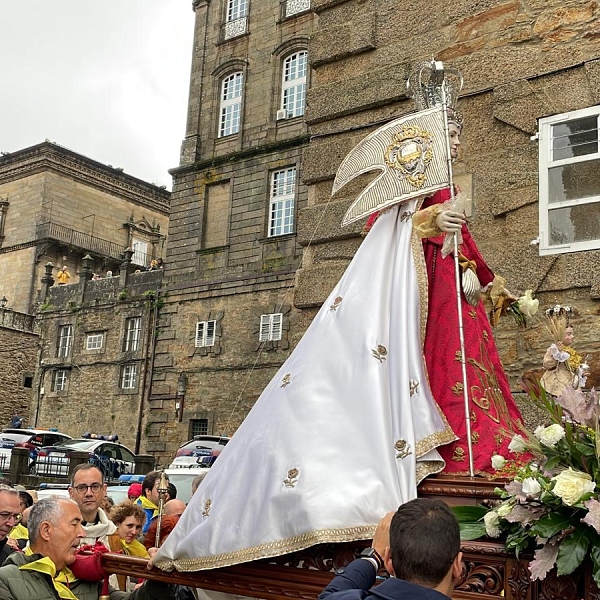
(19, 532)
(146, 503)
(135, 548)
(60, 580)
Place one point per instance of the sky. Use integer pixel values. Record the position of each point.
(108, 79)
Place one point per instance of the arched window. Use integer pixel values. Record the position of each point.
(231, 104)
(293, 85)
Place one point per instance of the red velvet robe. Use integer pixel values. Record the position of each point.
(493, 410)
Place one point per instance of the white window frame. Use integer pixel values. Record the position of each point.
(236, 9)
(271, 327)
(545, 163)
(293, 84)
(128, 376)
(59, 380)
(133, 330)
(230, 110)
(205, 333)
(94, 341)
(140, 252)
(65, 340)
(282, 200)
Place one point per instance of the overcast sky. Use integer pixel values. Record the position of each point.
(108, 79)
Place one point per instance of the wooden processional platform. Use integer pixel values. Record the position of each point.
(489, 571)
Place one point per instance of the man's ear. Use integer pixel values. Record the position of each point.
(387, 561)
(457, 568)
(45, 530)
(70, 491)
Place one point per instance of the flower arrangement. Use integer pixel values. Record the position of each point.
(551, 505)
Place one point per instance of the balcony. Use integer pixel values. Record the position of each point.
(294, 7)
(88, 243)
(234, 28)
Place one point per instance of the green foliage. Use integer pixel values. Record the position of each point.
(123, 295)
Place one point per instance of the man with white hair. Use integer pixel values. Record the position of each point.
(42, 571)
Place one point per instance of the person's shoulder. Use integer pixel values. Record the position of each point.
(398, 588)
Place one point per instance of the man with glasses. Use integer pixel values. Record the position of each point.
(88, 490)
(10, 515)
(418, 545)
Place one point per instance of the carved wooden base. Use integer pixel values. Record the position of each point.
(489, 571)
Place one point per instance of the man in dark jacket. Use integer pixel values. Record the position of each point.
(42, 571)
(10, 515)
(419, 546)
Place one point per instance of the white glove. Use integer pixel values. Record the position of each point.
(450, 221)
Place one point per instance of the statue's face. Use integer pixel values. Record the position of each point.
(454, 132)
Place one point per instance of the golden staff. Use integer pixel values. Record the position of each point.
(163, 488)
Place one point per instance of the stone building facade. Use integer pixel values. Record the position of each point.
(19, 350)
(227, 322)
(57, 205)
(97, 349)
(529, 146)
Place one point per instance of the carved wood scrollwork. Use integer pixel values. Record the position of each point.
(481, 579)
(554, 587)
(518, 584)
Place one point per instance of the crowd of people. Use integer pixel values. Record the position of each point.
(39, 540)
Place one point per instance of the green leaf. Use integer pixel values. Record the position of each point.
(471, 531)
(552, 523)
(585, 449)
(552, 463)
(573, 550)
(595, 556)
(469, 514)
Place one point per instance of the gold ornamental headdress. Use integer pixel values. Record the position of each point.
(558, 318)
(411, 152)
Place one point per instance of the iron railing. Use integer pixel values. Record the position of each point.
(78, 239)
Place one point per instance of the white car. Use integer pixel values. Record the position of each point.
(32, 439)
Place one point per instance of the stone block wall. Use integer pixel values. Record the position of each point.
(521, 61)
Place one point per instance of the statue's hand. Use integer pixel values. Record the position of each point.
(450, 221)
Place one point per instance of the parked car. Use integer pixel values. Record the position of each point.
(203, 450)
(112, 459)
(32, 439)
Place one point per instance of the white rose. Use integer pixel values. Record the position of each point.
(498, 461)
(531, 486)
(571, 485)
(517, 444)
(504, 510)
(538, 431)
(492, 523)
(551, 435)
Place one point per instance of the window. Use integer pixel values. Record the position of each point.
(281, 211)
(293, 87)
(59, 380)
(94, 341)
(129, 376)
(140, 252)
(65, 340)
(293, 7)
(27, 381)
(236, 21)
(231, 104)
(569, 160)
(198, 427)
(205, 333)
(133, 327)
(270, 327)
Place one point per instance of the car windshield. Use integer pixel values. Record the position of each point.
(78, 444)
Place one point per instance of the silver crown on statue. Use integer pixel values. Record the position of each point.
(427, 82)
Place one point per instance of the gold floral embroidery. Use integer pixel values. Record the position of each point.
(403, 448)
(207, 507)
(336, 303)
(458, 356)
(473, 313)
(458, 455)
(413, 386)
(457, 388)
(292, 478)
(473, 417)
(485, 336)
(499, 439)
(287, 379)
(474, 437)
(406, 215)
(380, 353)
